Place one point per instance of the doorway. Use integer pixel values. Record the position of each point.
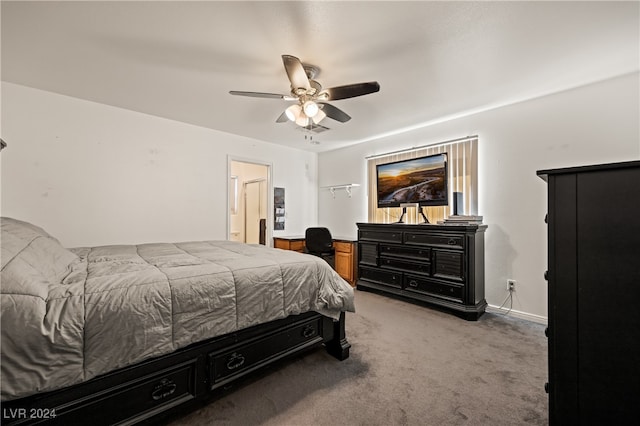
(255, 211)
(249, 202)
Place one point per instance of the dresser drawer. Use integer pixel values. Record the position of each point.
(419, 253)
(448, 264)
(231, 363)
(433, 287)
(406, 265)
(368, 254)
(386, 236)
(380, 276)
(442, 240)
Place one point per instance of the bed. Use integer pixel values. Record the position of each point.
(124, 333)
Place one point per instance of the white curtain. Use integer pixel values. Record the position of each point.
(462, 157)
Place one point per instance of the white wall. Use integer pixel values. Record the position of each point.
(594, 124)
(91, 174)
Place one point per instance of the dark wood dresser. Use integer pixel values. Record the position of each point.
(442, 265)
(594, 294)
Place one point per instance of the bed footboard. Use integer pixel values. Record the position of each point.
(158, 386)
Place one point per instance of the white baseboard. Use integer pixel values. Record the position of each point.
(518, 314)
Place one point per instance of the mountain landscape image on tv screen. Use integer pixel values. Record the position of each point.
(421, 180)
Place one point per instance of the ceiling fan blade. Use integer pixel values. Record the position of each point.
(262, 95)
(335, 113)
(351, 90)
(283, 118)
(296, 73)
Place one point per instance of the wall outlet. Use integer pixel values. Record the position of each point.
(511, 285)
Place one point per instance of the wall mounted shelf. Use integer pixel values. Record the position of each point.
(346, 186)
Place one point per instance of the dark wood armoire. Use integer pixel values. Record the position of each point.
(594, 294)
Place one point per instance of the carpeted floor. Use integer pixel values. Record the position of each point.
(409, 365)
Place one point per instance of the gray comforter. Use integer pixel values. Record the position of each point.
(69, 315)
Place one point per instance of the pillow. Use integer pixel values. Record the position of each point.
(28, 244)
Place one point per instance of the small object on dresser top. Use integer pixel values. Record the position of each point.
(462, 219)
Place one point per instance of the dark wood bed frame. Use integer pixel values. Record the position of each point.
(156, 387)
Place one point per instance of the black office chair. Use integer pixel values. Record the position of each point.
(319, 243)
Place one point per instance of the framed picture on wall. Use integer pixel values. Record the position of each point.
(278, 207)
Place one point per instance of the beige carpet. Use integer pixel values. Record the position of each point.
(409, 365)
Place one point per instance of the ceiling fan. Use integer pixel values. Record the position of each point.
(311, 99)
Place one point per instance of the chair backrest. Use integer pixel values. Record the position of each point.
(318, 240)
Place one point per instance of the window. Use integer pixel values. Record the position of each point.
(462, 160)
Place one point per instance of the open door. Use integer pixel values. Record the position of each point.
(255, 211)
(249, 202)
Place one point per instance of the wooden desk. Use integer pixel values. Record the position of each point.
(345, 249)
(289, 243)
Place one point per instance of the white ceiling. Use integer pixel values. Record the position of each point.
(433, 60)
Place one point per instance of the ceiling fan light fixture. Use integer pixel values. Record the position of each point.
(318, 117)
(293, 112)
(302, 120)
(310, 108)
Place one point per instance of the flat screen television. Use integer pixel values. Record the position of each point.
(420, 180)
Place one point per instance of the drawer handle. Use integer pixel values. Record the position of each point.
(235, 361)
(413, 283)
(308, 331)
(451, 242)
(163, 389)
